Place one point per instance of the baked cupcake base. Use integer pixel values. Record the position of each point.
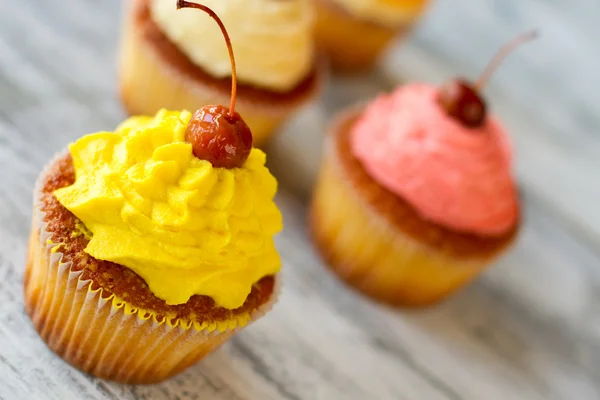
(379, 244)
(155, 74)
(351, 44)
(101, 317)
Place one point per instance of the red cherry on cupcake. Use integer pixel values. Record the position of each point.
(462, 100)
(219, 137)
(219, 134)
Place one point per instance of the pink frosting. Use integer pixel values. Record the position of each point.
(455, 176)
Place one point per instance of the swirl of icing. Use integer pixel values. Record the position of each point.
(182, 225)
(452, 175)
(392, 13)
(272, 39)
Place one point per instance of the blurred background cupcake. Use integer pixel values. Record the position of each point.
(412, 202)
(176, 59)
(353, 33)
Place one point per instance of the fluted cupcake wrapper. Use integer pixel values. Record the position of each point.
(105, 336)
(373, 255)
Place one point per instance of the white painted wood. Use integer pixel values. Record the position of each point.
(528, 329)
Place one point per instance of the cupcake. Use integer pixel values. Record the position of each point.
(415, 195)
(143, 258)
(353, 33)
(153, 244)
(175, 58)
(411, 204)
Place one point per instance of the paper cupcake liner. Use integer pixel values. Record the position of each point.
(352, 44)
(373, 255)
(102, 335)
(148, 83)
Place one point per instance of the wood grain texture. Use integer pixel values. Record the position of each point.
(528, 329)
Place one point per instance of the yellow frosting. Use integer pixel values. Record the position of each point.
(387, 12)
(185, 227)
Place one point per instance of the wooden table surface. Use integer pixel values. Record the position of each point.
(529, 328)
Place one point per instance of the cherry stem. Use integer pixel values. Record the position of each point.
(213, 15)
(501, 55)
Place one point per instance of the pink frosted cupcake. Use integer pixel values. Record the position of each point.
(416, 195)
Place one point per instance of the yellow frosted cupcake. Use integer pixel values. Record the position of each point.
(175, 58)
(353, 33)
(153, 244)
(142, 257)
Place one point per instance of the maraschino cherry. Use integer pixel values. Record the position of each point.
(217, 134)
(462, 100)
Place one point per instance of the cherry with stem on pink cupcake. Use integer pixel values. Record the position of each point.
(462, 100)
(218, 134)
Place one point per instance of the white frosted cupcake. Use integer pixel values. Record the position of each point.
(176, 59)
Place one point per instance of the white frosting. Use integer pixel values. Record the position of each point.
(272, 39)
(393, 13)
